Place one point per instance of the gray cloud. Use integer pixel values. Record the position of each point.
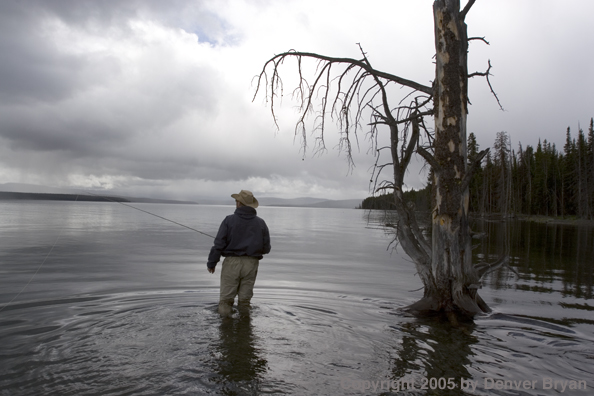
(30, 69)
(153, 97)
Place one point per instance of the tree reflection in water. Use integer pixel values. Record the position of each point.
(436, 349)
(550, 258)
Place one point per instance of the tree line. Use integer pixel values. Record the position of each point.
(541, 180)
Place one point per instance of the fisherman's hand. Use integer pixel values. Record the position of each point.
(211, 270)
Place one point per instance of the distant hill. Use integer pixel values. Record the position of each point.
(34, 188)
(36, 192)
(311, 202)
(343, 203)
(9, 195)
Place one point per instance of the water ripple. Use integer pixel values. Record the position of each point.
(290, 342)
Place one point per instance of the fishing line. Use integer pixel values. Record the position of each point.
(40, 265)
(62, 229)
(152, 214)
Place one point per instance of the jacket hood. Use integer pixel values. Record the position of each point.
(246, 212)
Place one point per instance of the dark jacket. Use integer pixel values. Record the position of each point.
(240, 234)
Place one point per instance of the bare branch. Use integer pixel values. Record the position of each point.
(474, 165)
(412, 143)
(361, 64)
(429, 158)
(466, 9)
(391, 186)
(479, 38)
(416, 116)
(487, 74)
(484, 268)
(300, 126)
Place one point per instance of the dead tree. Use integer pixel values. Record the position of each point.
(349, 89)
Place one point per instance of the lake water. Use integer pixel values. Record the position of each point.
(120, 303)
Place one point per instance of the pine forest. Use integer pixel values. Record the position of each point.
(542, 180)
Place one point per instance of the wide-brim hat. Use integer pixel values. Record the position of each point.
(247, 198)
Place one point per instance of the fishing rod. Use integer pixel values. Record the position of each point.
(62, 229)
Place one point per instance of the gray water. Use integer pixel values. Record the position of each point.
(123, 305)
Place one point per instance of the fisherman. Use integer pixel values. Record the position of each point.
(243, 239)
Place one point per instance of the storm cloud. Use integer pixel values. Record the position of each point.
(155, 98)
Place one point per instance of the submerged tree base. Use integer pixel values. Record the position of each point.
(463, 311)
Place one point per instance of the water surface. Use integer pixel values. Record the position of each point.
(123, 305)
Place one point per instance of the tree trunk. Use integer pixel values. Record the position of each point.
(455, 278)
(444, 264)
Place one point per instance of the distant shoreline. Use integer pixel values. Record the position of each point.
(571, 220)
(556, 220)
(7, 195)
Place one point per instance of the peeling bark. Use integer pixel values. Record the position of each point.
(451, 259)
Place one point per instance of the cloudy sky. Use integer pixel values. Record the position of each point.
(154, 98)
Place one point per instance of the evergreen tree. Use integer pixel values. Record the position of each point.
(525, 176)
(502, 172)
(486, 203)
(540, 202)
(568, 175)
(532, 181)
(581, 187)
(515, 184)
(590, 169)
(475, 186)
(553, 181)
